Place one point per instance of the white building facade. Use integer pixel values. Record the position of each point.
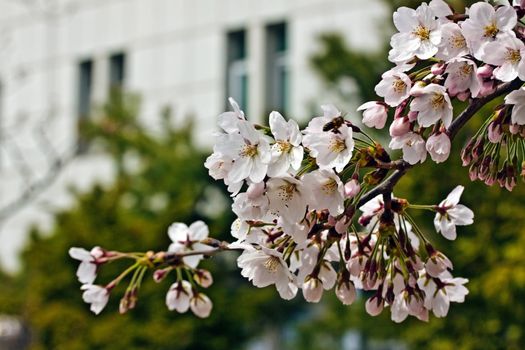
(59, 57)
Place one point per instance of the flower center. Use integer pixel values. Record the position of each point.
(337, 145)
(422, 32)
(271, 264)
(513, 56)
(465, 69)
(329, 187)
(491, 30)
(437, 101)
(286, 192)
(284, 146)
(248, 151)
(457, 41)
(399, 86)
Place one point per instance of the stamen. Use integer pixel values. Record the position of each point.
(272, 263)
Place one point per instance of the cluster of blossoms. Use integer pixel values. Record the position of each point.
(315, 207)
(182, 256)
(440, 55)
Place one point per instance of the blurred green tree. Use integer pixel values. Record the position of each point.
(159, 178)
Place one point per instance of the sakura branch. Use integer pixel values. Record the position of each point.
(315, 207)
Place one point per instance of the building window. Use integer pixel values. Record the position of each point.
(237, 68)
(85, 89)
(276, 68)
(117, 70)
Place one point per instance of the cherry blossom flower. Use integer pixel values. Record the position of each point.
(326, 191)
(287, 150)
(451, 214)
(87, 270)
(462, 77)
(517, 98)
(187, 239)
(229, 121)
(265, 267)
(331, 149)
(438, 145)
(287, 198)
(178, 296)
(432, 105)
(394, 87)
(253, 204)
(508, 55)
(406, 304)
(486, 24)
(95, 295)
(453, 43)
(413, 147)
(250, 152)
(437, 263)
(439, 292)
(374, 115)
(201, 305)
(419, 34)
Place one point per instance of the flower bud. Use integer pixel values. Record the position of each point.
(203, 278)
(485, 72)
(160, 274)
(438, 68)
(399, 127)
(494, 132)
(487, 87)
(374, 305)
(345, 292)
(312, 289)
(374, 115)
(201, 305)
(352, 188)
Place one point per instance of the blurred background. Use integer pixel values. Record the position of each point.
(107, 109)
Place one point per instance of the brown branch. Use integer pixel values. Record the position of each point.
(402, 167)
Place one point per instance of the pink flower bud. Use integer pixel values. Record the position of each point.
(399, 127)
(485, 72)
(159, 275)
(412, 116)
(438, 68)
(514, 129)
(487, 87)
(203, 278)
(201, 305)
(352, 188)
(312, 290)
(438, 145)
(374, 305)
(342, 225)
(345, 292)
(494, 132)
(374, 115)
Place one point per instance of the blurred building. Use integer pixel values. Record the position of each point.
(59, 58)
